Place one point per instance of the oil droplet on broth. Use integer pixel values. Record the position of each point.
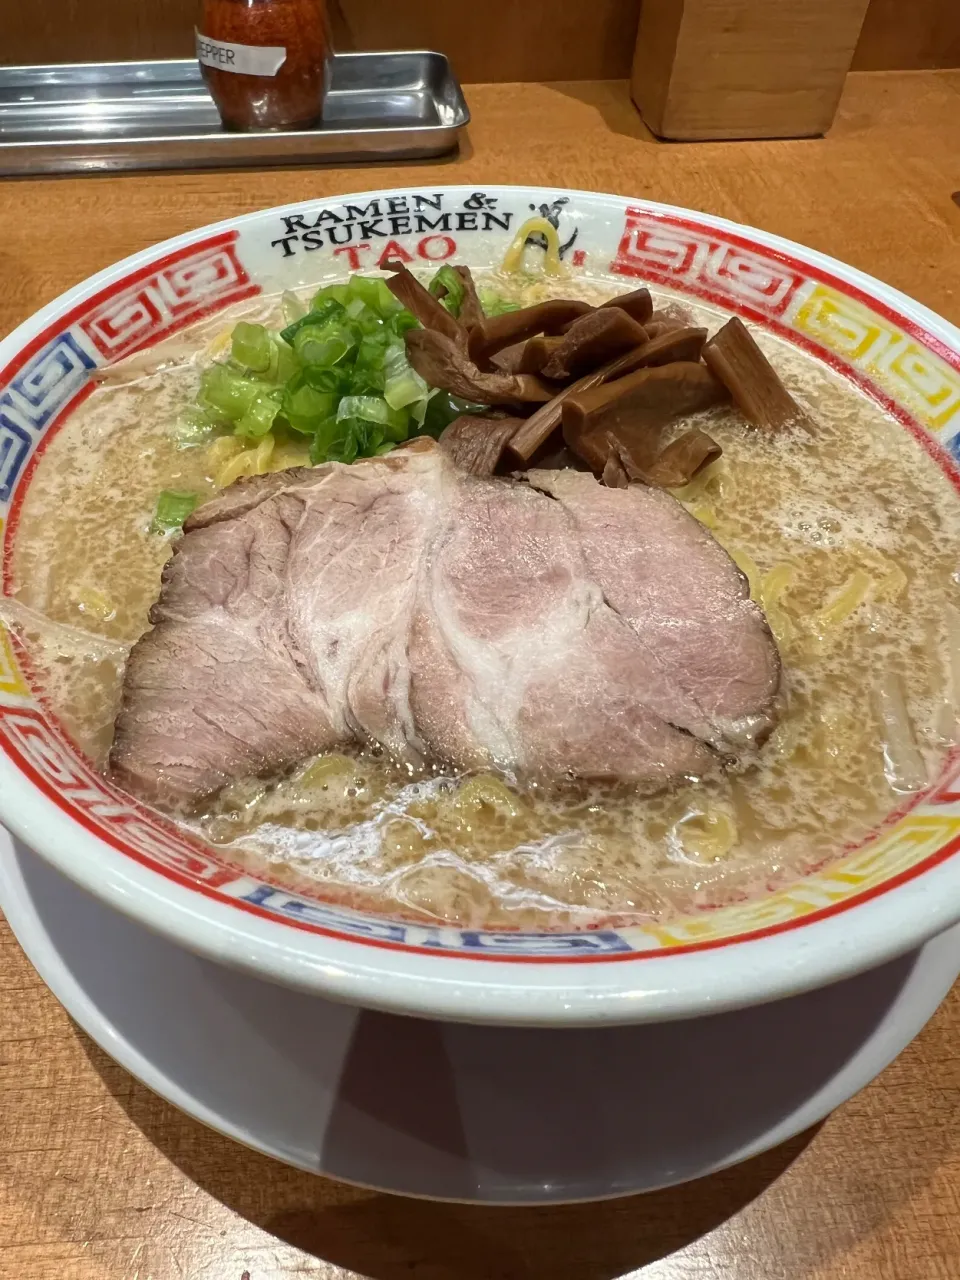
(478, 849)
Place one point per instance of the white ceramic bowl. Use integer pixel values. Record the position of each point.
(900, 888)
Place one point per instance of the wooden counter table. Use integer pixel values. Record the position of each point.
(100, 1180)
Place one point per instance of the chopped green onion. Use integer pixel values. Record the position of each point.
(449, 288)
(404, 389)
(287, 363)
(325, 438)
(368, 368)
(494, 305)
(292, 307)
(365, 319)
(365, 382)
(342, 444)
(400, 323)
(442, 409)
(373, 291)
(337, 373)
(229, 392)
(395, 422)
(402, 386)
(329, 309)
(251, 346)
(322, 347)
(173, 508)
(196, 425)
(305, 407)
(349, 451)
(338, 292)
(336, 380)
(259, 418)
(418, 410)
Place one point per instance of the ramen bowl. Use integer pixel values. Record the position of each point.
(855, 910)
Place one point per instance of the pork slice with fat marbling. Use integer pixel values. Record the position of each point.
(352, 582)
(215, 691)
(281, 629)
(666, 575)
(548, 680)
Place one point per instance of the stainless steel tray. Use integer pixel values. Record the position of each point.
(91, 117)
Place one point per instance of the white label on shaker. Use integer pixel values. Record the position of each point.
(246, 59)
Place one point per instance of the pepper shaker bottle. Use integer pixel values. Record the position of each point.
(265, 62)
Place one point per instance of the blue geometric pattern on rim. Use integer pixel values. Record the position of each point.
(34, 397)
(281, 903)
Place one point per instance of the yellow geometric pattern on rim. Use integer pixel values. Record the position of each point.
(912, 839)
(914, 376)
(11, 681)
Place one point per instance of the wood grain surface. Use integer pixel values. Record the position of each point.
(492, 40)
(713, 69)
(925, 33)
(100, 1180)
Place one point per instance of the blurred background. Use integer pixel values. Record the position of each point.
(486, 41)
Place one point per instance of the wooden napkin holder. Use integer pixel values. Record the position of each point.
(743, 68)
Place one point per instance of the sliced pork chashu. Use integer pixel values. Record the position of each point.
(540, 675)
(712, 666)
(550, 627)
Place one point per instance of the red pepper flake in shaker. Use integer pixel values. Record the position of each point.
(265, 62)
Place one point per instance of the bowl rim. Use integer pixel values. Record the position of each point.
(671, 984)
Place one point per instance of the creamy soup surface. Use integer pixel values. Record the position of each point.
(850, 538)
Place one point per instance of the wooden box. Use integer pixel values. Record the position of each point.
(743, 68)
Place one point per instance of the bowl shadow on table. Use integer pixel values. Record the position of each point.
(612, 102)
(385, 1237)
(388, 1237)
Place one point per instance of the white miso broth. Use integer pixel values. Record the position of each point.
(850, 537)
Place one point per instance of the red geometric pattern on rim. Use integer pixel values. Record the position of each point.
(948, 789)
(134, 312)
(86, 793)
(178, 289)
(86, 796)
(699, 260)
